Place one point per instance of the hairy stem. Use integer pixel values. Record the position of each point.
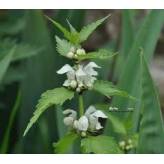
(81, 105)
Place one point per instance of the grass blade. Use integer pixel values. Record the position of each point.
(151, 132)
(5, 142)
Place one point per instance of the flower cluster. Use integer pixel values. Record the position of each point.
(74, 53)
(88, 122)
(79, 77)
(126, 145)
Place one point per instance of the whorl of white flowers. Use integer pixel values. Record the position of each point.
(80, 76)
(88, 122)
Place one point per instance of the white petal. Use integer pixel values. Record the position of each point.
(71, 113)
(66, 83)
(91, 109)
(83, 123)
(89, 68)
(98, 126)
(73, 84)
(92, 65)
(89, 80)
(92, 123)
(68, 121)
(66, 68)
(100, 114)
(71, 75)
(80, 72)
(68, 111)
(75, 124)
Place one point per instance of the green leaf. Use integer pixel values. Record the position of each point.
(100, 145)
(12, 27)
(151, 130)
(127, 38)
(72, 37)
(101, 54)
(108, 89)
(129, 80)
(86, 31)
(66, 33)
(118, 126)
(56, 96)
(78, 37)
(65, 144)
(5, 62)
(5, 143)
(22, 50)
(63, 46)
(72, 29)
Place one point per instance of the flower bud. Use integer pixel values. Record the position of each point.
(78, 89)
(83, 134)
(128, 147)
(70, 55)
(122, 144)
(75, 56)
(73, 84)
(129, 141)
(80, 51)
(68, 121)
(72, 49)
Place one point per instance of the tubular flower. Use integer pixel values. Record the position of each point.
(81, 77)
(93, 116)
(88, 122)
(70, 118)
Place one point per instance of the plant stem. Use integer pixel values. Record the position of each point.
(81, 105)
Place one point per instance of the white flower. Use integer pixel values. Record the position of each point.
(81, 124)
(70, 118)
(92, 114)
(84, 76)
(70, 75)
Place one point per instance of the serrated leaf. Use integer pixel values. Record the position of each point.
(101, 54)
(66, 33)
(63, 46)
(72, 37)
(151, 130)
(55, 96)
(100, 145)
(65, 144)
(5, 62)
(108, 89)
(72, 29)
(86, 31)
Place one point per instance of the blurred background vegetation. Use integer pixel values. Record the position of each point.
(28, 64)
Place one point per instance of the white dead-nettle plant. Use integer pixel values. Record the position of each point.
(82, 76)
